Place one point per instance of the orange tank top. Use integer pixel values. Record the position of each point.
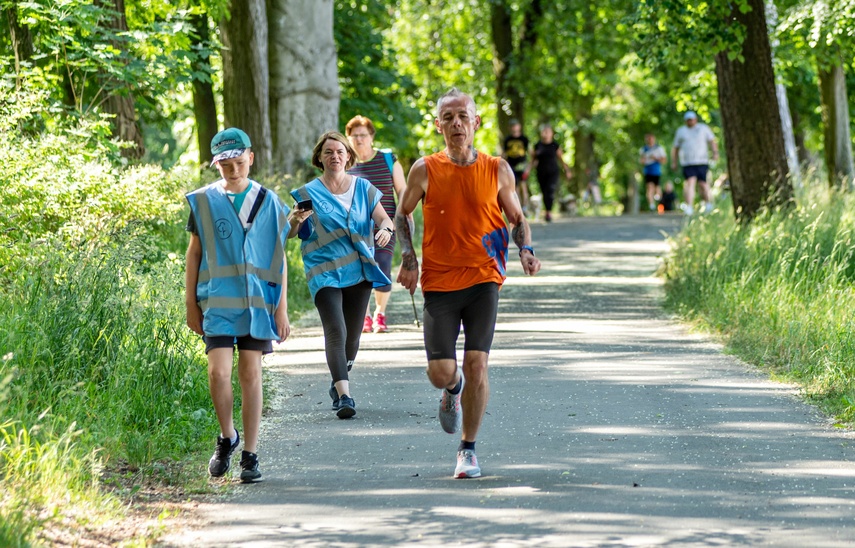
(465, 235)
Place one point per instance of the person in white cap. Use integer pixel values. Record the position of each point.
(236, 283)
(692, 144)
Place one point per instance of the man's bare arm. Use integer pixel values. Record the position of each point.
(404, 225)
(404, 228)
(520, 235)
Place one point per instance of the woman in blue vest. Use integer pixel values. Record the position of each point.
(337, 227)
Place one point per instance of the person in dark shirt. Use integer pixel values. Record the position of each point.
(547, 162)
(515, 151)
(669, 197)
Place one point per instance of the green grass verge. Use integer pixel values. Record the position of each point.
(779, 291)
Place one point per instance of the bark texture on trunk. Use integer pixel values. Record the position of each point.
(584, 159)
(204, 105)
(246, 76)
(835, 117)
(304, 91)
(120, 99)
(753, 137)
(503, 50)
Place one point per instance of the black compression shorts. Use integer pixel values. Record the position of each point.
(475, 307)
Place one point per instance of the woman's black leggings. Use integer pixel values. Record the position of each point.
(342, 312)
(548, 185)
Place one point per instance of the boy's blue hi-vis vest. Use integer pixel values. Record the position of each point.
(240, 276)
(339, 251)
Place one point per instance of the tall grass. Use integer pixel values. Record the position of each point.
(101, 371)
(779, 290)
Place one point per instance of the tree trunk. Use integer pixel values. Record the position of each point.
(835, 117)
(503, 49)
(22, 40)
(584, 159)
(304, 91)
(784, 104)
(246, 80)
(528, 39)
(507, 60)
(120, 101)
(803, 154)
(757, 160)
(204, 105)
(789, 136)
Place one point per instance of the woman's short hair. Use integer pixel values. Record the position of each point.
(335, 136)
(359, 121)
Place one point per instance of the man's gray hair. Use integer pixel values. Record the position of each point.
(453, 93)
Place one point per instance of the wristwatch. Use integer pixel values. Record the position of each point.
(528, 247)
(389, 230)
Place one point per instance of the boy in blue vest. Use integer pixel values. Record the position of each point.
(236, 282)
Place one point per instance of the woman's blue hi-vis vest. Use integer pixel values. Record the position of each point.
(339, 250)
(240, 276)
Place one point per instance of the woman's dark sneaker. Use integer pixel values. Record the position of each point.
(346, 407)
(334, 396)
(221, 461)
(249, 472)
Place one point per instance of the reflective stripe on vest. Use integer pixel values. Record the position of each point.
(237, 303)
(272, 274)
(325, 237)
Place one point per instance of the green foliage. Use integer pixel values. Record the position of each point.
(685, 31)
(442, 45)
(97, 365)
(827, 27)
(774, 290)
(369, 78)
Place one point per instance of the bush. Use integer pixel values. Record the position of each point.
(97, 365)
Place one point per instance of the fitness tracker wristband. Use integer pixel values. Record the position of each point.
(530, 249)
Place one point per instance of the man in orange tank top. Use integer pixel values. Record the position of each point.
(464, 254)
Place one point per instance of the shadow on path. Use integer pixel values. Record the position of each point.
(608, 425)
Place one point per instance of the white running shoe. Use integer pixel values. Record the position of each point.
(467, 465)
(450, 416)
(708, 208)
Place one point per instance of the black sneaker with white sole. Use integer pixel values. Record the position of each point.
(221, 461)
(249, 472)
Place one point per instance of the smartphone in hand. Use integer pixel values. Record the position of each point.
(305, 205)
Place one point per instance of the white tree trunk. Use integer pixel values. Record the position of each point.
(783, 103)
(304, 91)
(835, 116)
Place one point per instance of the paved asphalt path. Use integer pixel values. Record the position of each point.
(609, 424)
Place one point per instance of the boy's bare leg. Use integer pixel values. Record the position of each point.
(249, 374)
(220, 386)
(476, 392)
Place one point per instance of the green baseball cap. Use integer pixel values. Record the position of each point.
(229, 143)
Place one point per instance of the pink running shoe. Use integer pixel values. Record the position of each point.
(367, 325)
(380, 323)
